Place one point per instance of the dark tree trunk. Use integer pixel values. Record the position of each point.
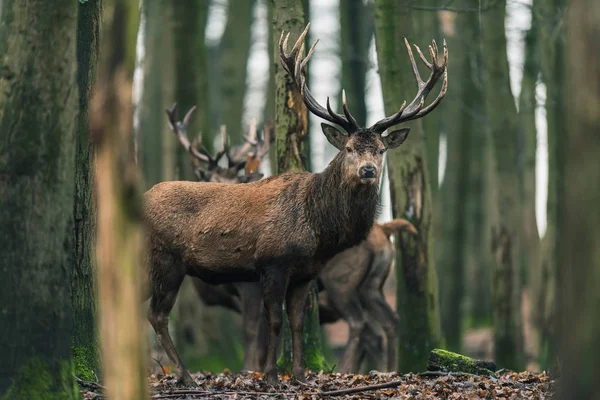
(191, 76)
(506, 241)
(578, 225)
(411, 197)
(83, 284)
(119, 241)
(38, 122)
(291, 139)
(462, 102)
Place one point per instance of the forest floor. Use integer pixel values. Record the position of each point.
(507, 385)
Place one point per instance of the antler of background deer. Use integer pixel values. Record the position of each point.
(295, 64)
(179, 129)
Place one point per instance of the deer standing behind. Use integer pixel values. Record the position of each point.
(353, 280)
(279, 231)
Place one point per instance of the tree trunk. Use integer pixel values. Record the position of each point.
(191, 76)
(527, 109)
(119, 245)
(356, 33)
(234, 51)
(38, 122)
(417, 301)
(505, 131)
(578, 276)
(83, 284)
(462, 100)
(291, 128)
(552, 15)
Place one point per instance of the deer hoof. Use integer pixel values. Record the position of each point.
(186, 380)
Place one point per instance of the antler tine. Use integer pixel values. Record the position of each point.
(265, 144)
(179, 128)
(415, 109)
(225, 148)
(237, 153)
(295, 65)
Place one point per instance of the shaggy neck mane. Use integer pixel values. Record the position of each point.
(342, 212)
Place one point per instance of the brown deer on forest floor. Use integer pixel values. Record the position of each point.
(353, 280)
(280, 230)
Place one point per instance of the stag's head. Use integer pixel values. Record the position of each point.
(207, 168)
(362, 148)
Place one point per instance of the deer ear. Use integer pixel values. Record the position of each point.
(395, 138)
(334, 136)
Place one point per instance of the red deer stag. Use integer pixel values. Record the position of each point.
(353, 280)
(280, 230)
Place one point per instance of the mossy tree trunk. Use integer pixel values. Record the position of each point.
(551, 15)
(417, 291)
(578, 277)
(233, 59)
(83, 284)
(291, 128)
(462, 100)
(505, 131)
(119, 245)
(38, 122)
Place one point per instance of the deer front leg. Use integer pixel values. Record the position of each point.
(274, 284)
(295, 302)
(164, 294)
(253, 319)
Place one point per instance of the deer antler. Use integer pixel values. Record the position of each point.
(179, 128)
(237, 153)
(415, 109)
(295, 65)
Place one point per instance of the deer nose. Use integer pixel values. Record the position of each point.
(367, 171)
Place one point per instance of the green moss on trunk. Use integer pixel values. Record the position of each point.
(38, 121)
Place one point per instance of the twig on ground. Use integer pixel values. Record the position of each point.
(89, 384)
(160, 365)
(362, 388)
(180, 393)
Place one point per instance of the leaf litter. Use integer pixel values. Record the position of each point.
(507, 385)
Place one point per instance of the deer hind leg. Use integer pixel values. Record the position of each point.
(373, 345)
(165, 287)
(384, 316)
(274, 284)
(253, 320)
(295, 302)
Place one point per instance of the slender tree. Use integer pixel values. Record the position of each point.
(83, 283)
(234, 50)
(454, 222)
(291, 127)
(38, 121)
(119, 236)
(578, 276)
(417, 299)
(503, 125)
(551, 16)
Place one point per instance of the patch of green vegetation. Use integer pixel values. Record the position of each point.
(85, 362)
(38, 380)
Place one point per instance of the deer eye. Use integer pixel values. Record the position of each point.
(348, 149)
(382, 150)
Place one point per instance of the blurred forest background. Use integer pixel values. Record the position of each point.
(488, 165)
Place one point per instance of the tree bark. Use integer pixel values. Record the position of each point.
(551, 14)
(83, 284)
(505, 132)
(356, 33)
(191, 76)
(38, 122)
(119, 245)
(417, 301)
(578, 276)
(463, 100)
(234, 51)
(291, 139)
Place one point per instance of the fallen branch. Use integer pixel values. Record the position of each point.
(89, 384)
(447, 361)
(362, 388)
(179, 393)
